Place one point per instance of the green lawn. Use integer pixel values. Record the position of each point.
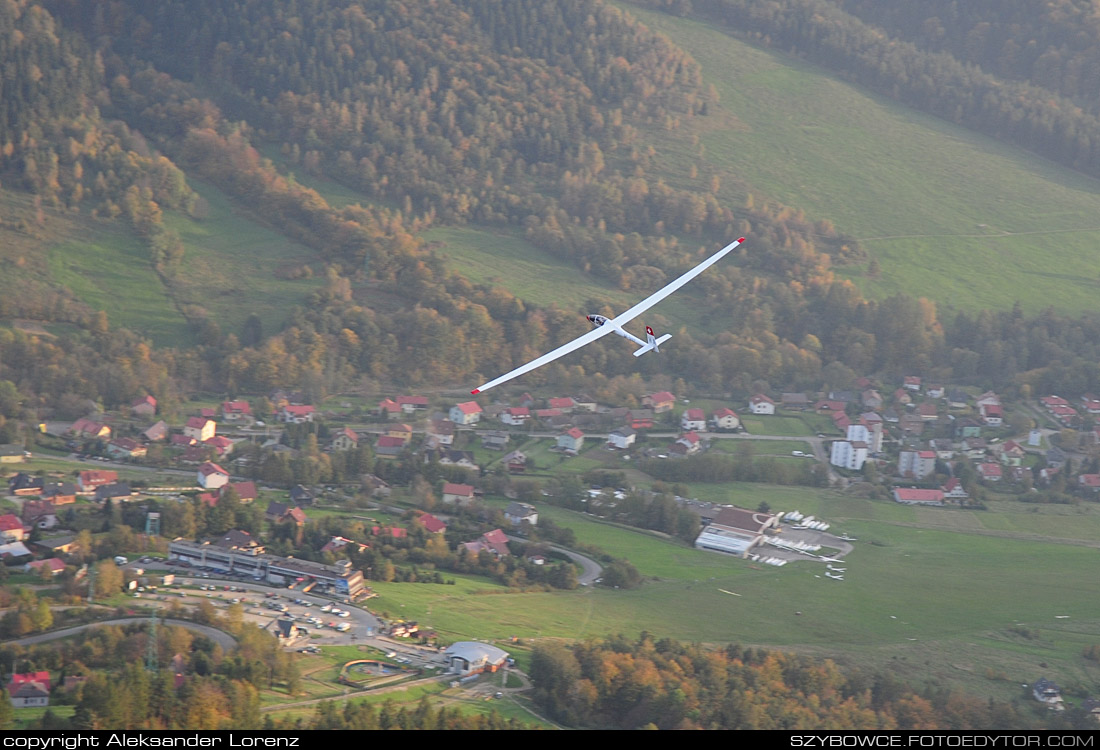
(918, 192)
(760, 424)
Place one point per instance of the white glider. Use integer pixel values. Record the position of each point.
(604, 326)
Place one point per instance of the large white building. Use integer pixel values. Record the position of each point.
(470, 657)
(736, 531)
(848, 454)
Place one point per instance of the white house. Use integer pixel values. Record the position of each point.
(761, 404)
(725, 419)
(457, 494)
(211, 476)
(296, 414)
(693, 419)
(517, 513)
(516, 416)
(200, 428)
(621, 438)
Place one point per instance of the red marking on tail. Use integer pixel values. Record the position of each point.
(649, 331)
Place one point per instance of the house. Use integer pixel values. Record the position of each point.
(466, 413)
(515, 462)
(451, 457)
(916, 464)
(388, 408)
(92, 478)
(585, 403)
(1011, 453)
(236, 411)
(934, 390)
(659, 402)
(844, 397)
(182, 441)
(967, 428)
(796, 401)
(388, 447)
(871, 399)
(1049, 693)
(29, 689)
(564, 403)
(410, 404)
(11, 552)
(85, 428)
(1056, 457)
(400, 430)
(275, 510)
(495, 440)
(516, 416)
(54, 565)
(59, 493)
(23, 484)
(990, 471)
(725, 419)
(621, 438)
(296, 516)
(431, 524)
(116, 491)
(736, 531)
(346, 439)
(957, 398)
(641, 419)
(300, 496)
(989, 397)
(156, 432)
(209, 499)
(126, 448)
(492, 541)
(518, 513)
(927, 411)
(441, 432)
(146, 406)
(211, 476)
(375, 486)
(953, 490)
(39, 513)
(12, 529)
(693, 419)
(761, 404)
(902, 397)
(60, 545)
(911, 424)
(200, 428)
(571, 441)
(457, 494)
(687, 444)
(911, 496)
(826, 405)
(246, 491)
(296, 413)
(911, 383)
(1089, 482)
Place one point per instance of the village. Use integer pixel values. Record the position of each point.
(416, 471)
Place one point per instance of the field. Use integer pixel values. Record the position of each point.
(918, 193)
(976, 600)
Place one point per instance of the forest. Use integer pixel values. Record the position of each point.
(649, 683)
(518, 120)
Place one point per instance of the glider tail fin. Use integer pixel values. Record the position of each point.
(653, 343)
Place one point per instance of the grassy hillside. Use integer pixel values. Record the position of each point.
(233, 266)
(950, 215)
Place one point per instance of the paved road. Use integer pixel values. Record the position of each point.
(220, 637)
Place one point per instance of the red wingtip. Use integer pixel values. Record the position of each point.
(742, 239)
(475, 391)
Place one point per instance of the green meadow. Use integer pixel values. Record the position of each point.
(951, 215)
(974, 599)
